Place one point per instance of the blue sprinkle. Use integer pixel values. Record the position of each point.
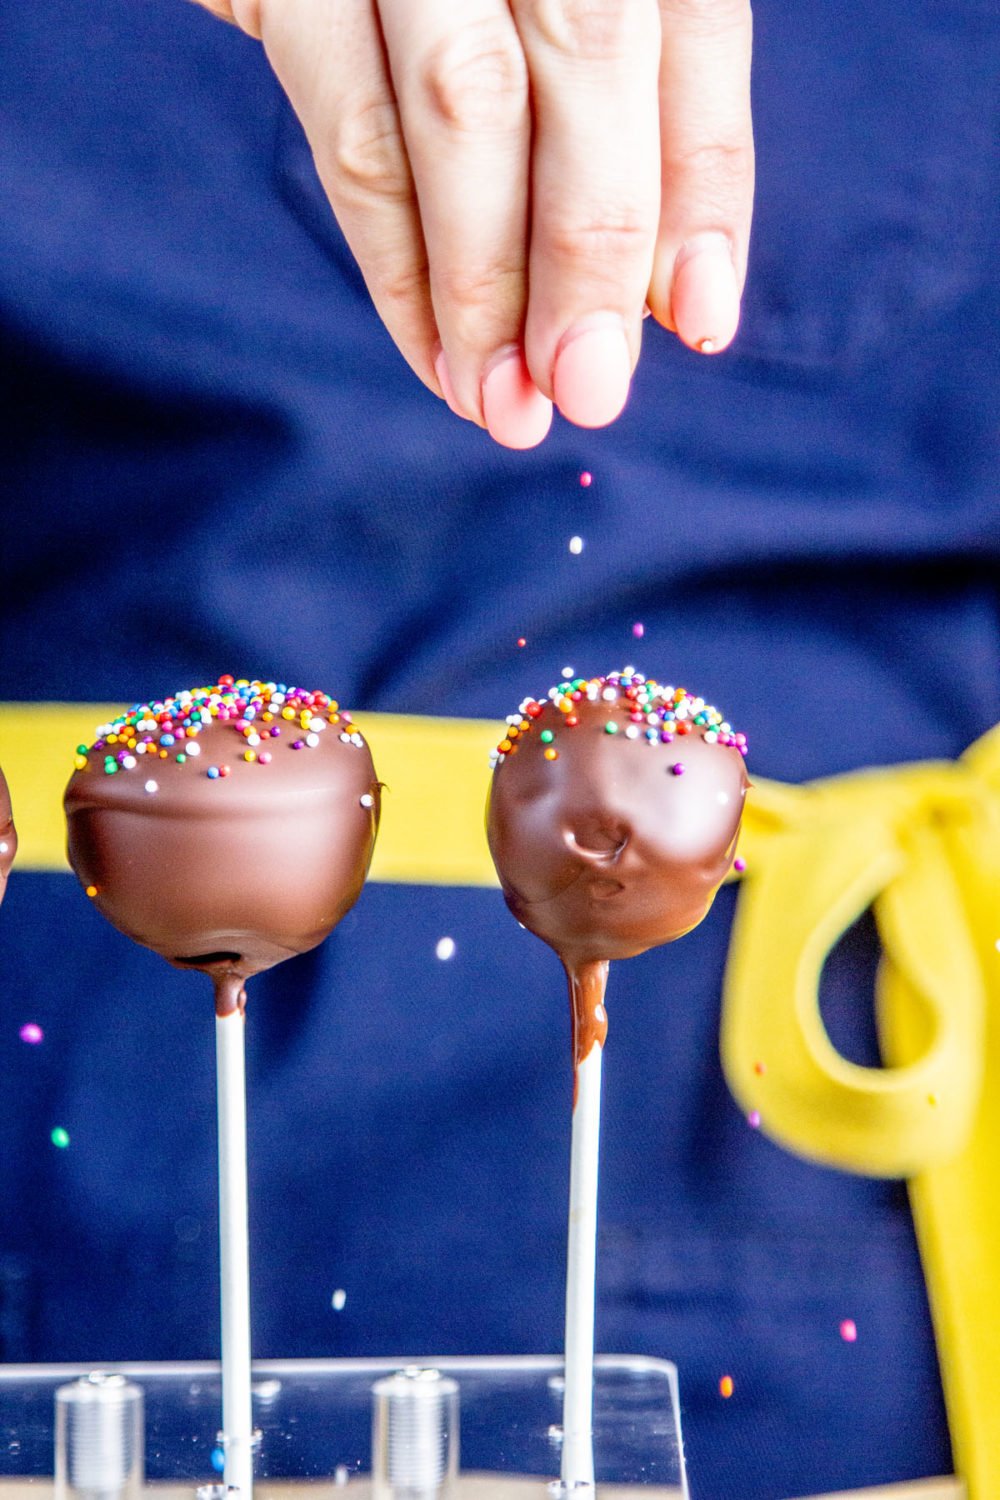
(218, 1460)
(166, 739)
(213, 773)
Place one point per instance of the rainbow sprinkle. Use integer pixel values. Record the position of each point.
(657, 714)
(258, 712)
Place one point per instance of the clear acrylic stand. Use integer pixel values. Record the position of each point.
(315, 1425)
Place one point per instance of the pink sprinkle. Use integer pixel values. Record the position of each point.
(849, 1331)
(586, 479)
(753, 1119)
(264, 758)
(31, 1033)
(678, 768)
(739, 865)
(638, 630)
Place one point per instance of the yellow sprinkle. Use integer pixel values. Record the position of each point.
(504, 746)
(92, 891)
(288, 713)
(249, 755)
(80, 761)
(267, 716)
(932, 1098)
(726, 1387)
(112, 739)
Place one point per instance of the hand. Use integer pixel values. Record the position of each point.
(519, 179)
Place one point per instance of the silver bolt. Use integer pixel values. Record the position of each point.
(99, 1439)
(414, 1436)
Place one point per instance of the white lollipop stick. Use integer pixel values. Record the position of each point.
(237, 1416)
(581, 1269)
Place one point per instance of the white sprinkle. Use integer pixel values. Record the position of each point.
(193, 748)
(576, 545)
(567, 672)
(445, 948)
(710, 737)
(152, 786)
(609, 694)
(129, 762)
(312, 740)
(338, 1300)
(345, 737)
(722, 798)
(253, 739)
(632, 732)
(366, 799)
(317, 725)
(4, 848)
(997, 945)
(628, 671)
(341, 1475)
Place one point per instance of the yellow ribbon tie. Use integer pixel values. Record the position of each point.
(920, 845)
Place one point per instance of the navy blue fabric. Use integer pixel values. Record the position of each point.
(216, 461)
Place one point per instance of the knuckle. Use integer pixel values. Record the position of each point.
(721, 173)
(612, 241)
(399, 285)
(474, 291)
(708, 16)
(363, 153)
(598, 30)
(477, 78)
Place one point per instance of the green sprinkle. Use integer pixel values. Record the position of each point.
(611, 727)
(60, 1138)
(546, 736)
(180, 759)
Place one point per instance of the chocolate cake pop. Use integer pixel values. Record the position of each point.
(8, 835)
(613, 814)
(227, 828)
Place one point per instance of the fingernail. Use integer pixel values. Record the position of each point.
(705, 296)
(593, 370)
(517, 414)
(444, 381)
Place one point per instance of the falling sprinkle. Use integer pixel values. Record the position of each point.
(576, 545)
(445, 948)
(932, 1100)
(31, 1033)
(566, 673)
(753, 1119)
(521, 641)
(638, 630)
(586, 479)
(849, 1331)
(218, 1460)
(726, 1387)
(339, 1300)
(60, 1137)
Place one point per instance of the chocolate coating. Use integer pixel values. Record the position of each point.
(606, 851)
(228, 875)
(8, 834)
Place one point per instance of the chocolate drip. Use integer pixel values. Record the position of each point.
(8, 835)
(587, 985)
(230, 995)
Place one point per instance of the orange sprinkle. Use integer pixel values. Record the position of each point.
(726, 1387)
(551, 754)
(92, 891)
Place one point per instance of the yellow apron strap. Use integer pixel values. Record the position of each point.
(921, 845)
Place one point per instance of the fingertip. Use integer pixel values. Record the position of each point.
(592, 372)
(705, 294)
(517, 414)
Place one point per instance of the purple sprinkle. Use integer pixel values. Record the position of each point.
(678, 768)
(638, 630)
(753, 1119)
(298, 744)
(739, 865)
(31, 1033)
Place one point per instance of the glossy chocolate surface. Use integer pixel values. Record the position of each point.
(230, 874)
(607, 850)
(8, 835)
